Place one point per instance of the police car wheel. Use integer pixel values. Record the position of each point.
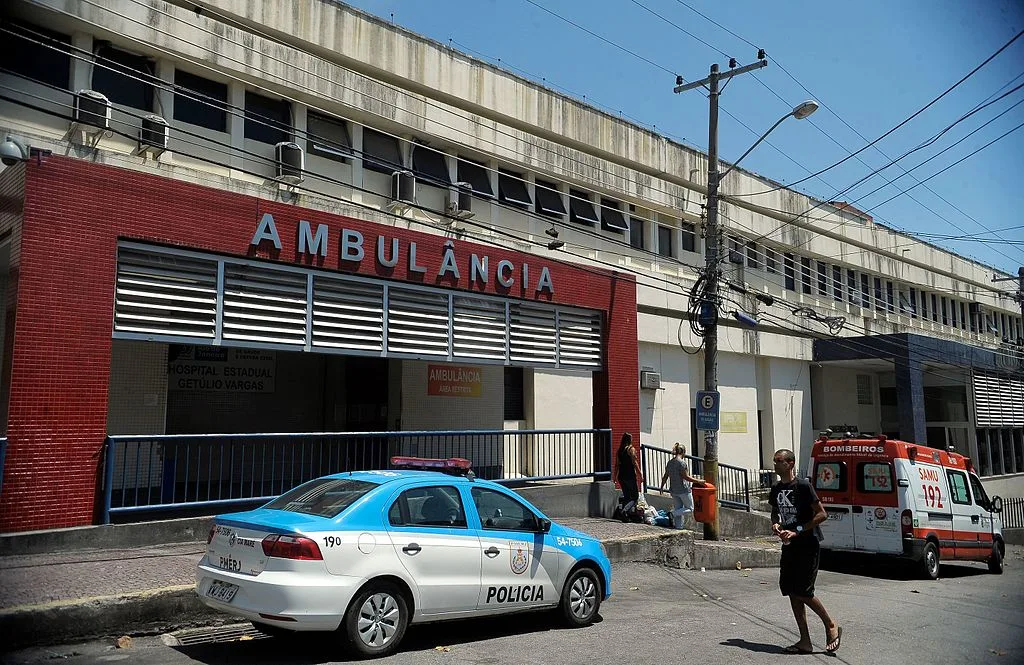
(581, 598)
(376, 619)
(995, 560)
(930, 561)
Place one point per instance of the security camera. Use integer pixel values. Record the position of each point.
(12, 151)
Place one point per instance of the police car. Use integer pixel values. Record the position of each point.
(367, 553)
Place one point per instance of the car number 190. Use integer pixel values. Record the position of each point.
(222, 591)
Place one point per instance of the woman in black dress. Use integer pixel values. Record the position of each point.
(628, 469)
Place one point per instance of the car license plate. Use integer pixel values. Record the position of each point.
(222, 591)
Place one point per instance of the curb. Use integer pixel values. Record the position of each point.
(172, 608)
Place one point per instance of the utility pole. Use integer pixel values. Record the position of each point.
(712, 269)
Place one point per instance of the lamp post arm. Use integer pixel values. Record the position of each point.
(751, 148)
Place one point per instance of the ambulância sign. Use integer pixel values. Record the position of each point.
(354, 247)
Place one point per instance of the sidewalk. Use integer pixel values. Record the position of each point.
(70, 585)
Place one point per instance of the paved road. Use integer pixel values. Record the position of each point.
(659, 615)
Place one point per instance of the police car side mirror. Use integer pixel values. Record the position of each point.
(543, 524)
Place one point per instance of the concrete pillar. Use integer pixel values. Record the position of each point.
(236, 124)
(910, 399)
(81, 68)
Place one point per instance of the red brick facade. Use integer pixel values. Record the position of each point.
(61, 300)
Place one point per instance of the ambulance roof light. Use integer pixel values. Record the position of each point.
(882, 438)
(456, 466)
(912, 452)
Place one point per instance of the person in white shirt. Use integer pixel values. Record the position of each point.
(677, 473)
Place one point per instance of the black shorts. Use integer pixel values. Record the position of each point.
(799, 567)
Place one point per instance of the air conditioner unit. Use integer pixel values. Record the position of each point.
(291, 163)
(403, 189)
(153, 135)
(460, 200)
(91, 112)
(650, 380)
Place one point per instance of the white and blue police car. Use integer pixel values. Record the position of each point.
(366, 553)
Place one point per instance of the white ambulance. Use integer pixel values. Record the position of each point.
(906, 500)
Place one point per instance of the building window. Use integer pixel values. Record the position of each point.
(865, 293)
(771, 261)
(581, 209)
(913, 303)
(430, 166)
(790, 272)
(689, 237)
(805, 274)
(735, 253)
(512, 189)
(822, 278)
(935, 307)
(549, 200)
(477, 176)
(20, 54)
(381, 152)
(879, 302)
(864, 393)
(611, 216)
(665, 247)
(890, 303)
(963, 315)
(636, 232)
(124, 78)
(200, 101)
(952, 313)
(752, 259)
(327, 137)
(267, 120)
(945, 314)
(837, 283)
(851, 287)
(907, 303)
(514, 409)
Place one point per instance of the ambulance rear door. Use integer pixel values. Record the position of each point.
(831, 483)
(875, 510)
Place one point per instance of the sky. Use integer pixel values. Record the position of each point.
(871, 64)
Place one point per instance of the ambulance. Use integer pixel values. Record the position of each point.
(906, 500)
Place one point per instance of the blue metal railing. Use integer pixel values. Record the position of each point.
(148, 474)
(733, 482)
(3, 456)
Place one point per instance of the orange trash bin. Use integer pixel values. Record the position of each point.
(705, 503)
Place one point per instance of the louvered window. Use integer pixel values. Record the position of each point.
(165, 294)
(532, 334)
(579, 338)
(348, 314)
(998, 401)
(417, 322)
(264, 304)
(478, 328)
(185, 297)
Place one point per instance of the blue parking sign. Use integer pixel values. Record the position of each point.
(708, 402)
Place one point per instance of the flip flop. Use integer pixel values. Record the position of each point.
(793, 648)
(833, 646)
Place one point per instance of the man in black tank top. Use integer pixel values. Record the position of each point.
(796, 514)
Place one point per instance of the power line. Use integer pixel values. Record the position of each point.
(847, 124)
(901, 124)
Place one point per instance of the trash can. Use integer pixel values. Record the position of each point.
(705, 503)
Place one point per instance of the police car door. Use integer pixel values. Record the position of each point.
(428, 529)
(519, 568)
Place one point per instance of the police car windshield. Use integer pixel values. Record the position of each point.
(325, 497)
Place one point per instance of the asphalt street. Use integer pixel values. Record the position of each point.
(660, 615)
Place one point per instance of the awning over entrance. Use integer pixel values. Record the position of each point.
(173, 295)
(997, 376)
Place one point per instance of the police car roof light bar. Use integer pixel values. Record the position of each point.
(457, 466)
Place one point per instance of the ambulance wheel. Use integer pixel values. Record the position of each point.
(376, 619)
(930, 561)
(581, 598)
(995, 560)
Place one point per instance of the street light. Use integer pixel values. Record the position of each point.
(799, 112)
(712, 271)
